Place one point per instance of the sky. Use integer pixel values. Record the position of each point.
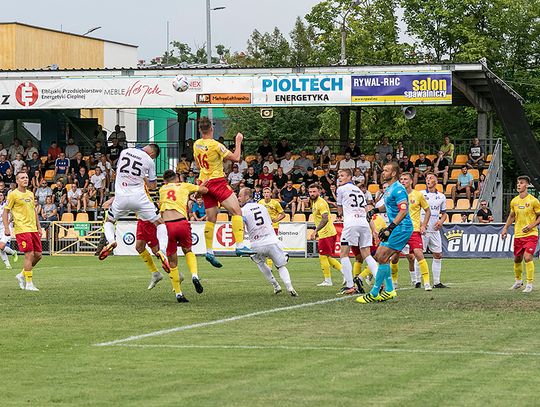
(145, 24)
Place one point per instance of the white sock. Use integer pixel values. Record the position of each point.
(209, 251)
(346, 269)
(162, 237)
(285, 277)
(4, 257)
(267, 273)
(372, 265)
(417, 271)
(109, 230)
(9, 250)
(413, 276)
(436, 269)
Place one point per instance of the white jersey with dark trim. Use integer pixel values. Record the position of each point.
(258, 225)
(133, 166)
(353, 201)
(437, 205)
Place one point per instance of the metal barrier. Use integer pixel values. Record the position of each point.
(45, 240)
(492, 191)
(80, 238)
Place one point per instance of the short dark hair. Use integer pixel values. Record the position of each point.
(156, 148)
(407, 174)
(464, 166)
(169, 175)
(421, 152)
(205, 125)
(524, 178)
(315, 185)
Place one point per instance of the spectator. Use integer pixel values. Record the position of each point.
(90, 196)
(81, 178)
(106, 168)
(406, 165)
(4, 165)
(333, 165)
(353, 150)
(280, 179)
(71, 149)
(34, 164)
(99, 182)
(440, 168)
(9, 178)
(388, 159)
(421, 167)
(52, 154)
(198, 213)
(257, 194)
(302, 164)
(376, 167)
(347, 163)
(465, 184)
(481, 185)
(49, 212)
(304, 203)
(448, 149)
(29, 150)
(3, 150)
(74, 198)
(271, 164)
(257, 164)
(119, 135)
(378, 201)
(364, 166)
(61, 167)
(3, 188)
(191, 178)
(97, 152)
(465, 218)
(358, 177)
(36, 179)
(322, 154)
(400, 151)
(17, 164)
(250, 178)
(282, 148)
(265, 148)
(484, 214)
(113, 152)
(183, 165)
(384, 148)
(476, 155)
(367, 194)
(59, 193)
(75, 165)
(14, 149)
(189, 150)
(100, 134)
(328, 179)
(331, 198)
(37, 205)
(235, 177)
(288, 197)
(266, 179)
(310, 177)
(42, 192)
(242, 165)
(287, 164)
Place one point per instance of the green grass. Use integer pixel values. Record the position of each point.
(333, 354)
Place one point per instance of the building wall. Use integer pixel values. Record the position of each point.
(7, 46)
(119, 56)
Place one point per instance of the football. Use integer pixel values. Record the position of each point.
(180, 83)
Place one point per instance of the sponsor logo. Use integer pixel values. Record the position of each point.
(224, 235)
(26, 94)
(223, 98)
(128, 238)
(4, 99)
(459, 241)
(195, 84)
(302, 89)
(194, 238)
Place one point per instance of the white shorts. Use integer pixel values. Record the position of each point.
(433, 242)
(272, 251)
(3, 238)
(357, 236)
(140, 204)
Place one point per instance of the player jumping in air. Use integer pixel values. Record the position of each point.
(264, 241)
(173, 202)
(209, 155)
(525, 211)
(20, 204)
(394, 237)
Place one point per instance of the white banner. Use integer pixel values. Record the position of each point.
(126, 236)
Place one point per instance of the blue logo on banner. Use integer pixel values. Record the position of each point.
(194, 239)
(129, 238)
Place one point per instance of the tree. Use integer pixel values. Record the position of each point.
(303, 48)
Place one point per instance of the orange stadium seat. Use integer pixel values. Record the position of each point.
(489, 158)
(222, 217)
(310, 218)
(67, 217)
(449, 189)
(319, 173)
(49, 175)
(475, 173)
(440, 188)
(463, 203)
(81, 217)
(373, 188)
(456, 218)
(43, 159)
(297, 186)
(299, 217)
(449, 204)
(420, 187)
(455, 173)
(370, 157)
(412, 158)
(250, 158)
(474, 204)
(431, 157)
(461, 159)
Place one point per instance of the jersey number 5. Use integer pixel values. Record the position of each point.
(258, 217)
(135, 167)
(202, 160)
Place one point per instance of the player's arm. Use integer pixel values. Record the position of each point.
(531, 226)
(324, 221)
(440, 222)
(5, 220)
(385, 233)
(427, 215)
(374, 210)
(511, 218)
(235, 157)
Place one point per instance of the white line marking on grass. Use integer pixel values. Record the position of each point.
(221, 321)
(331, 348)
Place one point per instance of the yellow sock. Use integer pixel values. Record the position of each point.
(357, 268)
(325, 266)
(237, 228)
(174, 275)
(395, 269)
(147, 258)
(191, 261)
(209, 235)
(365, 273)
(27, 275)
(529, 269)
(424, 270)
(334, 263)
(269, 262)
(518, 270)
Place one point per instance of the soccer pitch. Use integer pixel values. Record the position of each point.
(476, 343)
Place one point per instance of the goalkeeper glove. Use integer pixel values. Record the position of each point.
(370, 213)
(384, 233)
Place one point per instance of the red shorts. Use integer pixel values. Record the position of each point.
(525, 244)
(29, 242)
(218, 191)
(355, 250)
(416, 242)
(327, 245)
(147, 232)
(179, 232)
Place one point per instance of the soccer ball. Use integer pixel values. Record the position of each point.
(180, 83)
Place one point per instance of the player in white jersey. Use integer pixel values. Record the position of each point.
(4, 248)
(135, 168)
(264, 241)
(432, 238)
(357, 231)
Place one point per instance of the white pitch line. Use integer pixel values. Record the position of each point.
(339, 349)
(220, 321)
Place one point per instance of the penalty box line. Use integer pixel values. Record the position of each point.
(221, 321)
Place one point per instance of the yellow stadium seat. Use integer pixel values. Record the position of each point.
(449, 204)
(222, 217)
(463, 203)
(81, 217)
(296, 186)
(49, 175)
(475, 173)
(67, 217)
(373, 188)
(455, 173)
(456, 218)
(449, 189)
(370, 157)
(310, 157)
(474, 204)
(287, 218)
(489, 157)
(72, 234)
(340, 157)
(295, 156)
(461, 159)
(44, 159)
(299, 217)
(91, 172)
(319, 173)
(68, 186)
(431, 157)
(412, 158)
(420, 187)
(310, 218)
(439, 188)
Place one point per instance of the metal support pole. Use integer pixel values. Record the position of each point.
(208, 45)
(344, 126)
(182, 117)
(358, 127)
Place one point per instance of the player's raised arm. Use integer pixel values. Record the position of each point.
(235, 157)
